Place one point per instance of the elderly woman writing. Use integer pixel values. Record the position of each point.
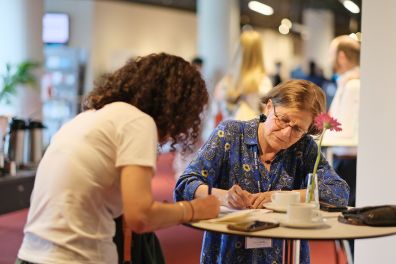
(246, 161)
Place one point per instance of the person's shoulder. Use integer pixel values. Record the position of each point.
(238, 126)
(120, 106)
(124, 108)
(304, 142)
(127, 112)
(225, 124)
(230, 125)
(353, 83)
(234, 122)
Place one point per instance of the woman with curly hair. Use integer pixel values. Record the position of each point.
(100, 164)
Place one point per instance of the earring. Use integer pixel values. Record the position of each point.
(263, 117)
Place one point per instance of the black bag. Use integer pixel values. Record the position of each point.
(135, 248)
(383, 215)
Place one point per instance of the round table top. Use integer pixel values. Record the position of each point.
(332, 229)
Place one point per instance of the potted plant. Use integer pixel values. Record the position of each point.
(21, 74)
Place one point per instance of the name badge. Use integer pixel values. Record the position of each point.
(253, 242)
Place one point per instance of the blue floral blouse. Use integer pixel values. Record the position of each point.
(228, 158)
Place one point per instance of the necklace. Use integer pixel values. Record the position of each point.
(266, 161)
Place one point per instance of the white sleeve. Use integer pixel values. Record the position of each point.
(345, 108)
(137, 143)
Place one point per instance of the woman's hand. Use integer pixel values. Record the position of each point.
(259, 199)
(238, 198)
(205, 208)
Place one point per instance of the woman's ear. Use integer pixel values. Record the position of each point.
(267, 107)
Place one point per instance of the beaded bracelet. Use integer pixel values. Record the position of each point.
(186, 213)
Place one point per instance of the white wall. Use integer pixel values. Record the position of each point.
(113, 31)
(320, 26)
(20, 31)
(123, 30)
(376, 177)
(218, 32)
(278, 47)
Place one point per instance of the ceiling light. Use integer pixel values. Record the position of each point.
(261, 8)
(351, 6)
(283, 29)
(286, 22)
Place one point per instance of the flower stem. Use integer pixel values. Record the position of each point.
(311, 187)
(319, 152)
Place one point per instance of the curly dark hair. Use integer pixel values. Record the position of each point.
(164, 86)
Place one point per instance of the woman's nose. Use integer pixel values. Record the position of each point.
(286, 132)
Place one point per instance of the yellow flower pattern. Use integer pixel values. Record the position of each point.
(204, 173)
(246, 167)
(227, 146)
(220, 133)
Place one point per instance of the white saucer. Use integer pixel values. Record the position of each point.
(295, 224)
(275, 207)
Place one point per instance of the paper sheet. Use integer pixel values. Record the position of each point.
(230, 215)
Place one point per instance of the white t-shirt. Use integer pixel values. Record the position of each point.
(345, 108)
(77, 193)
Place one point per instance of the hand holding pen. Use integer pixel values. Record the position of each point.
(210, 185)
(238, 198)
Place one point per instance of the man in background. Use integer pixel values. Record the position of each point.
(345, 56)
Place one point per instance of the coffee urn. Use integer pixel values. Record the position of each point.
(33, 143)
(15, 141)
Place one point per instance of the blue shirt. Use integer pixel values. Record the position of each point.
(228, 158)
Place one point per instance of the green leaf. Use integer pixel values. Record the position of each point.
(22, 73)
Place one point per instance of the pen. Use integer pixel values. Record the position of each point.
(209, 185)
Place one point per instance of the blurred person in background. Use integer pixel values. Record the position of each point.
(238, 93)
(247, 161)
(100, 164)
(345, 56)
(315, 74)
(277, 78)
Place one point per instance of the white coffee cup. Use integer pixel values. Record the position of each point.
(284, 198)
(303, 213)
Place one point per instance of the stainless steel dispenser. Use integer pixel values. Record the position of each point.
(33, 143)
(15, 140)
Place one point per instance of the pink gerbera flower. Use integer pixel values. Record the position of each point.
(322, 122)
(325, 121)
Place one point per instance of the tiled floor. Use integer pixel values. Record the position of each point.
(181, 245)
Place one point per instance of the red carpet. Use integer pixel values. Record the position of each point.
(181, 245)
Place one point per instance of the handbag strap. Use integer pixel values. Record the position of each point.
(127, 242)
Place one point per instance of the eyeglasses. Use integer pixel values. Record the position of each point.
(283, 121)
